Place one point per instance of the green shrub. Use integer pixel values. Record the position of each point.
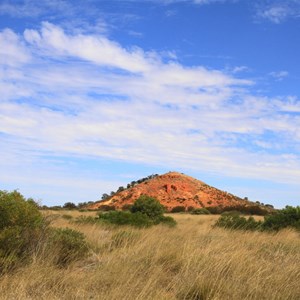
(145, 212)
(148, 206)
(190, 208)
(11, 246)
(139, 219)
(178, 209)
(86, 220)
(287, 217)
(16, 211)
(167, 220)
(200, 211)
(215, 210)
(234, 221)
(248, 210)
(23, 232)
(68, 245)
(231, 213)
(115, 217)
(21, 227)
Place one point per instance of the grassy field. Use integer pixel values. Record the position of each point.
(190, 261)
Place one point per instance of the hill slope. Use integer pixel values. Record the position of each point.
(174, 189)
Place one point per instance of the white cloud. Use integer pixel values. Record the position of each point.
(34, 8)
(87, 96)
(202, 2)
(96, 49)
(239, 69)
(280, 75)
(278, 11)
(275, 14)
(12, 50)
(198, 2)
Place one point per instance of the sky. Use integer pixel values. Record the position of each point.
(95, 94)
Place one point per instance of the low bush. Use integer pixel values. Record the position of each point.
(167, 220)
(200, 211)
(248, 210)
(215, 210)
(231, 213)
(190, 208)
(21, 226)
(67, 245)
(287, 217)
(178, 209)
(145, 212)
(15, 210)
(234, 221)
(24, 233)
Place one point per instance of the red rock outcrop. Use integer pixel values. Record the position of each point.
(174, 189)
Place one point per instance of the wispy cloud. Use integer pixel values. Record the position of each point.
(280, 75)
(278, 11)
(239, 69)
(87, 96)
(34, 8)
(198, 2)
(275, 14)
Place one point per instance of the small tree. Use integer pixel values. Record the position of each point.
(104, 196)
(120, 189)
(69, 205)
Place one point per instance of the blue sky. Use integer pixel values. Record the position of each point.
(95, 94)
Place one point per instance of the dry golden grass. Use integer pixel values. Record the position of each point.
(191, 261)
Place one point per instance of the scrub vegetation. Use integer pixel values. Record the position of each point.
(66, 258)
(289, 217)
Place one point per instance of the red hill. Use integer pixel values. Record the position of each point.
(174, 189)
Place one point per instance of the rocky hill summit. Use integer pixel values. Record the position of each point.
(174, 189)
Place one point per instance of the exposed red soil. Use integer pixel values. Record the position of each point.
(174, 189)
